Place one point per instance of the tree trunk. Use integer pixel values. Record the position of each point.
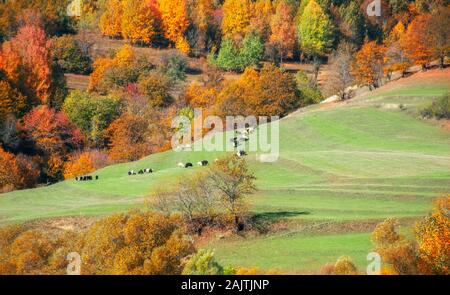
(236, 223)
(316, 69)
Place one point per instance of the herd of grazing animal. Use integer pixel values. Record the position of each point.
(86, 178)
(243, 137)
(140, 172)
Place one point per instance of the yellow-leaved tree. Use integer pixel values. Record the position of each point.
(125, 56)
(237, 15)
(396, 59)
(140, 20)
(110, 23)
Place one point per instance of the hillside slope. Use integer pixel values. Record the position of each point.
(344, 164)
(366, 146)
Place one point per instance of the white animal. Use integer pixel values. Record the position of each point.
(203, 163)
(244, 138)
(181, 165)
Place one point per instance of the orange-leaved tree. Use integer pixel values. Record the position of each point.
(9, 171)
(369, 63)
(175, 22)
(137, 243)
(202, 16)
(262, 14)
(433, 238)
(26, 60)
(110, 23)
(283, 30)
(416, 42)
(396, 59)
(397, 253)
(52, 136)
(129, 138)
(140, 20)
(123, 58)
(439, 33)
(270, 92)
(12, 102)
(79, 165)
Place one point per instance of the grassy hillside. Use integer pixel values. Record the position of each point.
(342, 164)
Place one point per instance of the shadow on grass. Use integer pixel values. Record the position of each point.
(272, 216)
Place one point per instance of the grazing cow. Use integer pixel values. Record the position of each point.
(203, 163)
(131, 173)
(244, 138)
(96, 177)
(188, 165)
(141, 172)
(148, 170)
(236, 143)
(181, 165)
(241, 154)
(89, 178)
(76, 178)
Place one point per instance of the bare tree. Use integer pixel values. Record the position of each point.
(233, 181)
(438, 30)
(340, 78)
(203, 197)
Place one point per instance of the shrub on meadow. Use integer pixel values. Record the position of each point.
(439, 109)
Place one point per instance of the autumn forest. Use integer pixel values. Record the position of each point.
(89, 90)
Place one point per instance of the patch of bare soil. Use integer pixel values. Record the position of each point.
(445, 124)
(61, 224)
(438, 76)
(77, 82)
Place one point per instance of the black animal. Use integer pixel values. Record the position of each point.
(76, 178)
(203, 163)
(96, 177)
(141, 172)
(241, 154)
(86, 178)
(188, 165)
